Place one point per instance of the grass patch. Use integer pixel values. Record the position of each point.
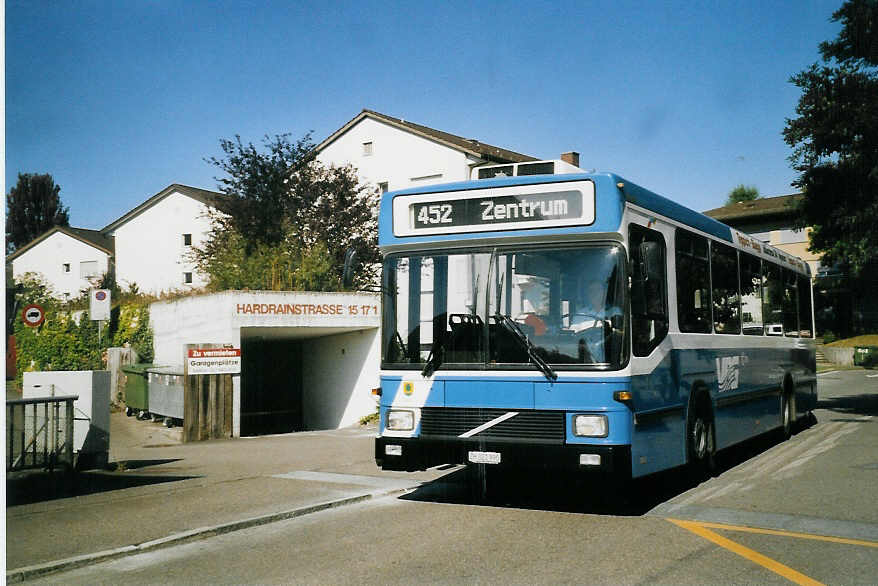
(865, 340)
(372, 418)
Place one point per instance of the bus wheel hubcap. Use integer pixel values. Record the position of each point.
(699, 435)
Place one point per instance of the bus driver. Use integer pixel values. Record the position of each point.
(591, 315)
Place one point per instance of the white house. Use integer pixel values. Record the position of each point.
(153, 239)
(392, 153)
(66, 258)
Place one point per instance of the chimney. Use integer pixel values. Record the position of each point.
(571, 157)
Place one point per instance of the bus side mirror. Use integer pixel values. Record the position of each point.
(648, 290)
(350, 261)
(651, 261)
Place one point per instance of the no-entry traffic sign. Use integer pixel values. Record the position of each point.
(33, 315)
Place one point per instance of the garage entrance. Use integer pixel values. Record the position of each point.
(308, 359)
(304, 378)
(271, 386)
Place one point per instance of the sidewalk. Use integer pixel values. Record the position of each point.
(164, 491)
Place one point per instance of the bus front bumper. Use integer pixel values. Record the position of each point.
(410, 454)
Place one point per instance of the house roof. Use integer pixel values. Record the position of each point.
(764, 207)
(210, 198)
(467, 145)
(94, 238)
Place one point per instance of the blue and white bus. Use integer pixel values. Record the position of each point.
(576, 321)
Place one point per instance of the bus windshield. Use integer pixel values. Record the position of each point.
(506, 308)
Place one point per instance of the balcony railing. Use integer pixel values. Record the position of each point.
(39, 433)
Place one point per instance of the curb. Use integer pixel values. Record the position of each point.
(35, 571)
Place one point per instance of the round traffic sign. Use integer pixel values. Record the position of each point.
(33, 315)
(100, 295)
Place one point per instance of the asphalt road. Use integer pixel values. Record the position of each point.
(802, 511)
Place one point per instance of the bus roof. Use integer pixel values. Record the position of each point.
(611, 194)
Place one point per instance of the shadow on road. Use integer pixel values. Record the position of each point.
(865, 404)
(34, 486)
(549, 491)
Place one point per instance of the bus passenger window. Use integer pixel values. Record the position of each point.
(751, 294)
(724, 277)
(805, 329)
(790, 311)
(693, 283)
(772, 299)
(649, 307)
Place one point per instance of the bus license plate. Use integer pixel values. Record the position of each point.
(484, 457)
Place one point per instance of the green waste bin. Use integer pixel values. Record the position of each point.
(136, 388)
(866, 356)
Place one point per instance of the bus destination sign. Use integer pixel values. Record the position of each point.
(501, 209)
(514, 207)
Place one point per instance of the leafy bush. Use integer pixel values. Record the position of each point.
(133, 329)
(68, 340)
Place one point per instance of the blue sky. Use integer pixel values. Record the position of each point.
(118, 99)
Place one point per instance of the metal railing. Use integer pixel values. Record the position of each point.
(39, 432)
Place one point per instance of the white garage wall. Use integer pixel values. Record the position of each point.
(337, 387)
(338, 375)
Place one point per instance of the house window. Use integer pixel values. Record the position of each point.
(65, 267)
(88, 268)
(367, 149)
(187, 278)
(187, 239)
(426, 178)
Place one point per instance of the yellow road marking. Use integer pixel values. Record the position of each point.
(745, 552)
(828, 538)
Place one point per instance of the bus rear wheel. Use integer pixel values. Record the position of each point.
(700, 441)
(787, 414)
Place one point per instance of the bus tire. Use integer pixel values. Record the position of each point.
(477, 483)
(700, 440)
(787, 414)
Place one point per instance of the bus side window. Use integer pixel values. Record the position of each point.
(726, 298)
(751, 294)
(790, 309)
(805, 307)
(693, 283)
(772, 299)
(649, 307)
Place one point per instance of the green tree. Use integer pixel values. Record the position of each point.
(835, 142)
(32, 207)
(742, 193)
(287, 219)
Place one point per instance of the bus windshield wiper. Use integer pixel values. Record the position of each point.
(513, 328)
(434, 359)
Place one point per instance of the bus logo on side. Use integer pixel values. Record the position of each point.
(728, 371)
(408, 388)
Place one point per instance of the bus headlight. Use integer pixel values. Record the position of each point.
(400, 420)
(590, 425)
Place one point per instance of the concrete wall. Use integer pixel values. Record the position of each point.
(339, 373)
(150, 249)
(337, 392)
(191, 320)
(840, 356)
(91, 425)
(399, 158)
(49, 257)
